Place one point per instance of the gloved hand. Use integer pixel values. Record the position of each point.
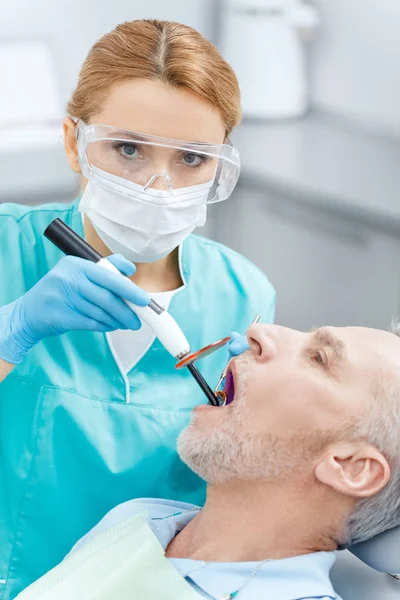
(238, 344)
(75, 294)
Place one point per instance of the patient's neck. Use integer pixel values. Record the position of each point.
(253, 521)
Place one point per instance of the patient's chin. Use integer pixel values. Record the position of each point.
(229, 453)
(220, 456)
(200, 451)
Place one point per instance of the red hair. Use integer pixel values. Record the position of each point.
(150, 49)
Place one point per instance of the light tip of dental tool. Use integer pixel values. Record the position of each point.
(182, 355)
(221, 398)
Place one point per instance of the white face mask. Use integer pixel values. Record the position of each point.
(142, 225)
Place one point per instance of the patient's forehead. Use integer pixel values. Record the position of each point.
(370, 348)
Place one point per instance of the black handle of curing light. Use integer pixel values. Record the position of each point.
(70, 242)
(203, 384)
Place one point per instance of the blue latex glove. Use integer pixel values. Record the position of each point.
(75, 294)
(238, 344)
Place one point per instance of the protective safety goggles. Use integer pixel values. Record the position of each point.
(158, 163)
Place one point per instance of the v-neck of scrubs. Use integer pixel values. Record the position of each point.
(129, 347)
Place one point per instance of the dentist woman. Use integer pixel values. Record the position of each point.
(92, 404)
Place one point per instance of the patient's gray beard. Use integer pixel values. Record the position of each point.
(230, 453)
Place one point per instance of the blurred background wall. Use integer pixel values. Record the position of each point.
(354, 59)
(317, 204)
(71, 26)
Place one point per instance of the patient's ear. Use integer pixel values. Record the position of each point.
(356, 469)
(70, 144)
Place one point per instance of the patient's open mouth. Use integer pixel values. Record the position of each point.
(229, 388)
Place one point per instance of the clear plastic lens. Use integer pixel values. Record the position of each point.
(138, 162)
(136, 157)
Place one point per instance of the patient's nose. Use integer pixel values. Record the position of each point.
(263, 341)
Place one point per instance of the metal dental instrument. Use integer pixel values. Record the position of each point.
(159, 320)
(217, 391)
(188, 361)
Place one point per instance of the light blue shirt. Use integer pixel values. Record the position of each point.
(303, 577)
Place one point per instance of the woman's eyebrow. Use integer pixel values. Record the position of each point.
(325, 337)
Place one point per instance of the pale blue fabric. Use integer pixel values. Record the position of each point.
(77, 436)
(300, 578)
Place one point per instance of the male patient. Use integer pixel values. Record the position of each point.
(304, 460)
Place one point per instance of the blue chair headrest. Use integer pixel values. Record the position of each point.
(381, 552)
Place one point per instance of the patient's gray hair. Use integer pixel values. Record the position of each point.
(381, 512)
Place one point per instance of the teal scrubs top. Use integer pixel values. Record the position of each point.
(75, 438)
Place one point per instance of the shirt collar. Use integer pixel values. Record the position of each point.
(166, 528)
(305, 576)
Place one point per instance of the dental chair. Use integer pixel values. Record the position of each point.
(369, 579)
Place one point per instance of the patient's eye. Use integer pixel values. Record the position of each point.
(318, 356)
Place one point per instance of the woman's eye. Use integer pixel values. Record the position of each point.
(127, 150)
(192, 160)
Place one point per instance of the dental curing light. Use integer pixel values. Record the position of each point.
(157, 318)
